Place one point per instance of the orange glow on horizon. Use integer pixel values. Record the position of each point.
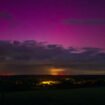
(56, 71)
(5, 75)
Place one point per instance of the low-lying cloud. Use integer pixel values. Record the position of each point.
(30, 57)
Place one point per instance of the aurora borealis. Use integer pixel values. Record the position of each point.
(68, 34)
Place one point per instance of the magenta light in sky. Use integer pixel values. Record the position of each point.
(54, 21)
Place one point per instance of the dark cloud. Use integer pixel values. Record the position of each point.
(29, 56)
(6, 15)
(72, 49)
(84, 21)
(90, 49)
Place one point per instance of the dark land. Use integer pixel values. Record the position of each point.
(52, 90)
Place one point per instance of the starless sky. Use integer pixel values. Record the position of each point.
(46, 20)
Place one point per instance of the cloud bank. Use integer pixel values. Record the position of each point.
(30, 57)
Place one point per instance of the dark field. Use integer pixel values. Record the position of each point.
(80, 96)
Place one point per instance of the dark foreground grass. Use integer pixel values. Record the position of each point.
(86, 96)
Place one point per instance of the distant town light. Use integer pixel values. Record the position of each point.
(49, 82)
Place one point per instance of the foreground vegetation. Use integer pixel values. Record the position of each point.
(80, 96)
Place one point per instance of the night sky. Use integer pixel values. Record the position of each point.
(44, 20)
(77, 25)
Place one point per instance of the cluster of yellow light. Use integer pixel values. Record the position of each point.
(49, 82)
(56, 71)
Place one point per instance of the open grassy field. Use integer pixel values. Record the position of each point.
(85, 96)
